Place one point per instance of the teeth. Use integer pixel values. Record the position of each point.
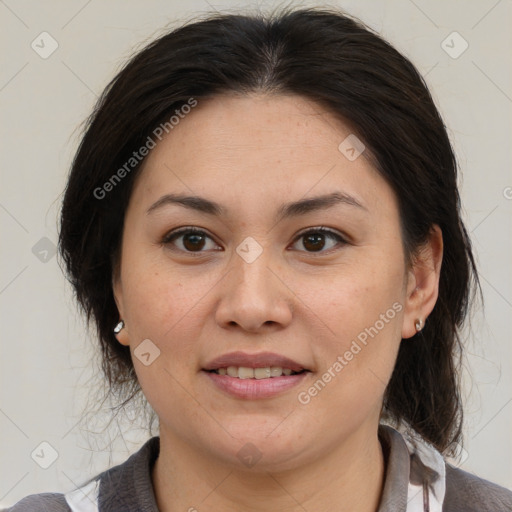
(243, 372)
(276, 371)
(262, 373)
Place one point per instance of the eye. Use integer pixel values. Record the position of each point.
(192, 239)
(314, 239)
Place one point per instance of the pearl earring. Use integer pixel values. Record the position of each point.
(118, 327)
(418, 324)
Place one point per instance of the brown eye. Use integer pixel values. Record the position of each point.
(193, 241)
(314, 240)
(189, 240)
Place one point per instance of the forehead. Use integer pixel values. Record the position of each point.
(260, 147)
(268, 125)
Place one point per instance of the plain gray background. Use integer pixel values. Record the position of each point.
(47, 358)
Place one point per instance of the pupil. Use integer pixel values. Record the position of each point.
(317, 241)
(195, 239)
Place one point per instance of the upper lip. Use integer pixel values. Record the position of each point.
(257, 360)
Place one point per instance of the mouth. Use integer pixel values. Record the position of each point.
(254, 376)
(259, 365)
(267, 372)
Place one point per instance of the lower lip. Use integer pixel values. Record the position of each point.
(252, 389)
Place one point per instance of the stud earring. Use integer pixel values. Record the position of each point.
(119, 326)
(418, 324)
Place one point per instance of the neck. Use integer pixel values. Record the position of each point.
(350, 477)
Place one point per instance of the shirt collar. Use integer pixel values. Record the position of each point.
(414, 478)
(415, 473)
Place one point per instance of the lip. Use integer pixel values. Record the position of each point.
(253, 389)
(257, 360)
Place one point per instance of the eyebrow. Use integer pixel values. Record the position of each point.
(287, 210)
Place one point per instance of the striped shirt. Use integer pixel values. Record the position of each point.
(417, 479)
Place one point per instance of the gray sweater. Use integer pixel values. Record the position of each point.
(417, 479)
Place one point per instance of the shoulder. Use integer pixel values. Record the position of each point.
(45, 502)
(414, 465)
(466, 492)
(128, 487)
(81, 499)
(125, 487)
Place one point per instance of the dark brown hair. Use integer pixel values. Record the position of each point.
(330, 58)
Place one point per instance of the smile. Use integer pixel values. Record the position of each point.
(249, 387)
(243, 372)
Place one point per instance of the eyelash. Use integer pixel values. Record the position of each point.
(173, 235)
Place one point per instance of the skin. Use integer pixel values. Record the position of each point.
(251, 154)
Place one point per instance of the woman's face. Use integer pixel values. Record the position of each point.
(260, 277)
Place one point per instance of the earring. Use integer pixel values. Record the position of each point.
(418, 324)
(119, 326)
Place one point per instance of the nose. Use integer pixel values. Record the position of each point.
(254, 296)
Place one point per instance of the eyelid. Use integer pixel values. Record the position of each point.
(320, 229)
(342, 239)
(176, 233)
(184, 229)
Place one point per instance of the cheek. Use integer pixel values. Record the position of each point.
(167, 304)
(364, 314)
(356, 366)
(359, 296)
(163, 296)
(165, 307)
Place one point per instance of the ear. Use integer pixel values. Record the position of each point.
(117, 290)
(423, 282)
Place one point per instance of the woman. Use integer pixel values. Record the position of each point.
(263, 221)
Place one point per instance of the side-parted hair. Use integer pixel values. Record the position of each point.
(322, 55)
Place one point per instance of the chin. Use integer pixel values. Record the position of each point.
(252, 448)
